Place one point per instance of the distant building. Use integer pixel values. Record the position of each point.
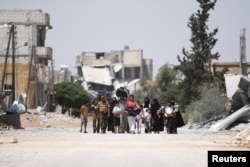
(64, 75)
(32, 73)
(233, 67)
(106, 71)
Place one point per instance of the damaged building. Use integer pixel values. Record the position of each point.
(107, 71)
(237, 83)
(25, 61)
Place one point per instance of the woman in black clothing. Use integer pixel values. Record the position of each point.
(157, 116)
(111, 115)
(177, 118)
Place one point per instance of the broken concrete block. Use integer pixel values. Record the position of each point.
(244, 84)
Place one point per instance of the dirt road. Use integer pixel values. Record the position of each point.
(59, 143)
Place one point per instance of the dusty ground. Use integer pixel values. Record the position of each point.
(54, 140)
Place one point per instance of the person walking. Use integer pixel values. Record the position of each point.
(148, 120)
(111, 116)
(177, 118)
(145, 105)
(95, 113)
(123, 115)
(139, 119)
(116, 116)
(168, 115)
(132, 105)
(157, 116)
(104, 108)
(84, 116)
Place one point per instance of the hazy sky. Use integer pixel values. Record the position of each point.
(158, 27)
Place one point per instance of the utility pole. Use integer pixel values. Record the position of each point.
(13, 64)
(209, 68)
(243, 61)
(4, 76)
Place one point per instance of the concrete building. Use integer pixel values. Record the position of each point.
(25, 61)
(233, 75)
(64, 75)
(106, 71)
(233, 67)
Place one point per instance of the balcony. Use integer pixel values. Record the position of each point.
(44, 52)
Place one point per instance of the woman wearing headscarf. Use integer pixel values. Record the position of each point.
(111, 116)
(157, 116)
(177, 118)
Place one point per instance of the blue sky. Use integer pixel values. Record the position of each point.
(158, 27)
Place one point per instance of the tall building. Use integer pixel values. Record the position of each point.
(25, 61)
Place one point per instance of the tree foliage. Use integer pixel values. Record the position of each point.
(148, 89)
(194, 63)
(70, 95)
(173, 93)
(165, 77)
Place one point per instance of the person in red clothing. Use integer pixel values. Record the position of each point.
(131, 104)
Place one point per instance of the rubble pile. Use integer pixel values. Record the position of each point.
(242, 139)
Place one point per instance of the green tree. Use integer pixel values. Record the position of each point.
(70, 95)
(194, 64)
(165, 77)
(173, 93)
(219, 78)
(148, 89)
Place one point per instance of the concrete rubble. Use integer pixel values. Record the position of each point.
(240, 108)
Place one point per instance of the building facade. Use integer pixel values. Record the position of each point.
(233, 67)
(106, 71)
(22, 38)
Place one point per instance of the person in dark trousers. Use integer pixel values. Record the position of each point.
(95, 113)
(168, 116)
(103, 108)
(177, 118)
(111, 116)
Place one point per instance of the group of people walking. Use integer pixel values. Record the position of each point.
(125, 115)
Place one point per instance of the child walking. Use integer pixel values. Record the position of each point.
(139, 118)
(148, 120)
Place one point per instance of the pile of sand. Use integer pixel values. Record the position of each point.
(242, 139)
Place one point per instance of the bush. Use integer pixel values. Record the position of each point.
(75, 112)
(209, 105)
